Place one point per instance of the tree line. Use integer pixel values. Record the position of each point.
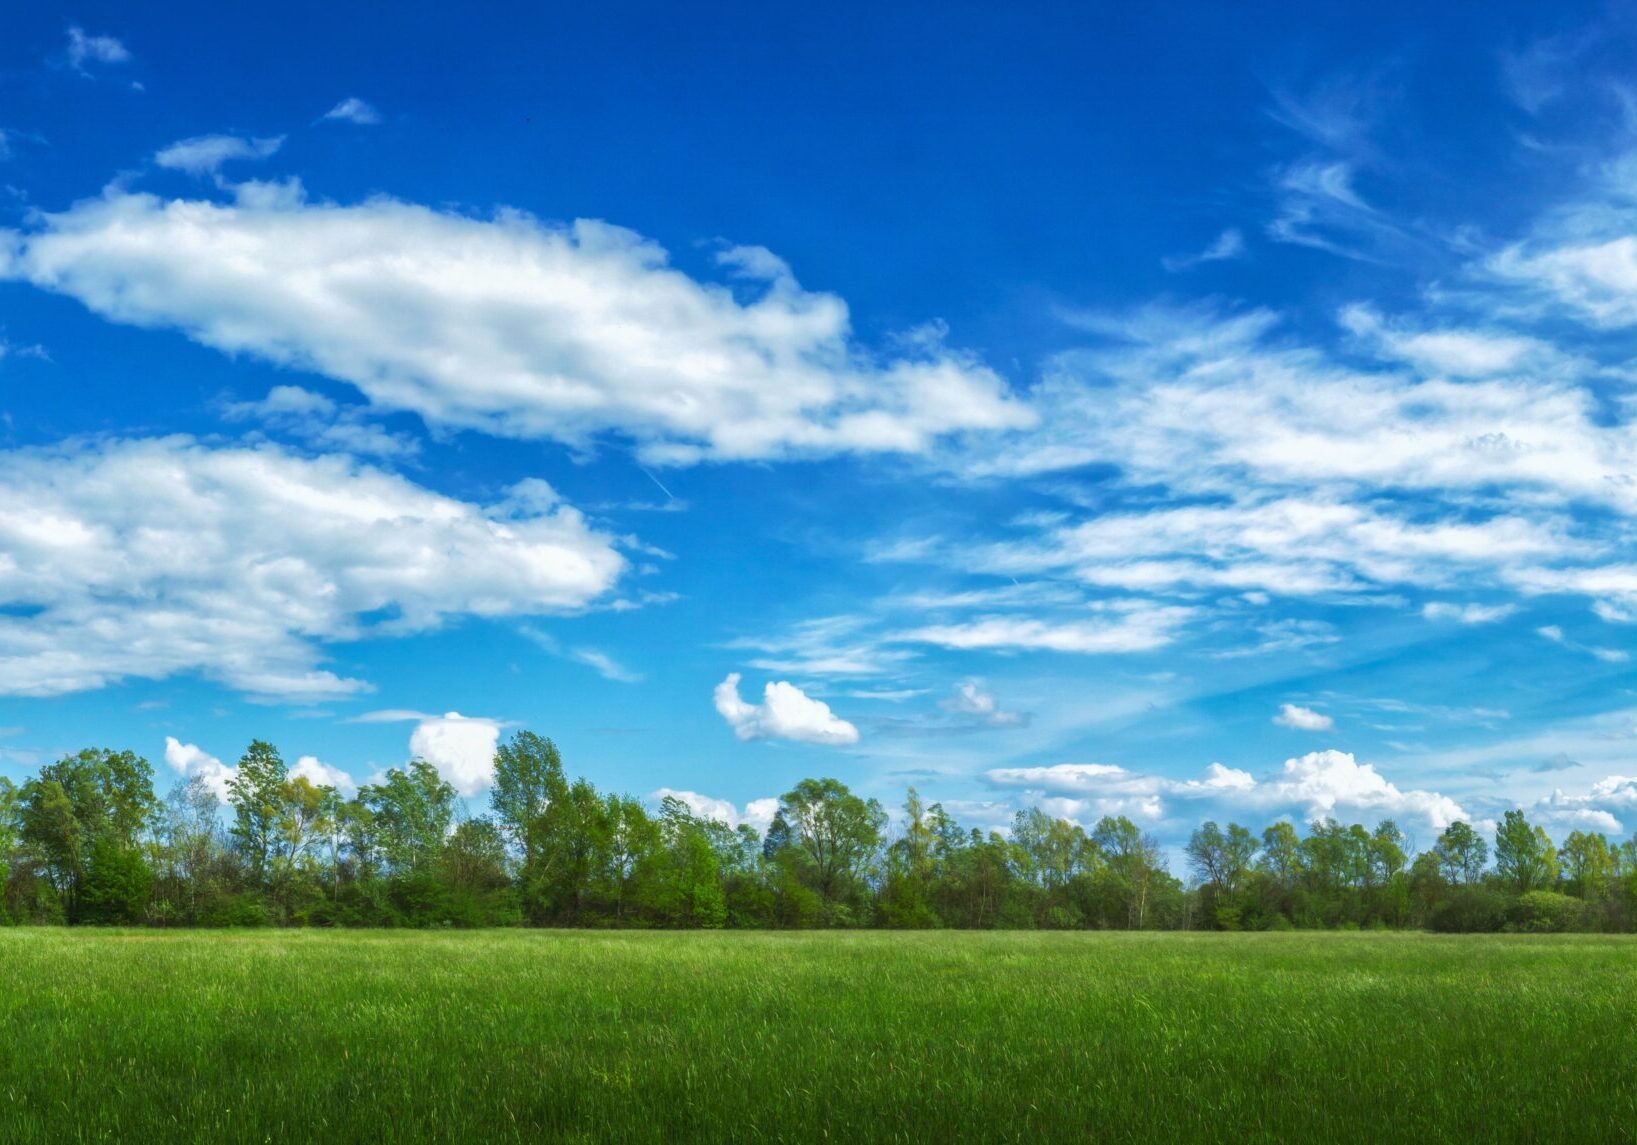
(87, 841)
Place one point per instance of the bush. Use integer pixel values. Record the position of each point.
(117, 886)
(236, 910)
(1545, 912)
(1063, 918)
(1469, 910)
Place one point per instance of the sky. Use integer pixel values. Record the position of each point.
(1174, 411)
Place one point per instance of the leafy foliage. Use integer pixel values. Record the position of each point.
(86, 841)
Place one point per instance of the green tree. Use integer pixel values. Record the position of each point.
(411, 811)
(95, 799)
(474, 867)
(1524, 855)
(190, 839)
(528, 778)
(8, 839)
(118, 884)
(1221, 858)
(1589, 865)
(1462, 853)
(1133, 860)
(257, 792)
(1282, 854)
(837, 833)
(684, 883)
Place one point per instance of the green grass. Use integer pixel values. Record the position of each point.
(279, 1036)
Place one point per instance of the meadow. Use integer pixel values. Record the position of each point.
(517, 1035)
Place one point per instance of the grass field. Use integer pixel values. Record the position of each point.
(508, 1035)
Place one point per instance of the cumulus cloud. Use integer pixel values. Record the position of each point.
(1600, 808)
(758, 813)
(353, 110)
(786, 712)
(321, 774)
(514, 326)
(1303, 719)
(205, 154)
(148, 558)
(462, 748)
(1315, 785)
(189, 760)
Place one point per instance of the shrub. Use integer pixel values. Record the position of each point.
(1469, 910)
(1545, 912)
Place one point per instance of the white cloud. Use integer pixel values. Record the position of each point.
(971, 698)
(1303, 719)
(513, 326)
(354, 110)
(320, 423)
(1288, 473)
(321, 774)
(758, 812)
(462, 748)
(1467, 613)
(825, 646)
(1603, 808)
(1230, 244)
(83, 49)
(189, 760)
(1452, 352)
(392, 716)
(786, 712)
(1132, 627)
(1556, 635)
(1320, 783)
(153, 557)
(205, 154)
(604, 664)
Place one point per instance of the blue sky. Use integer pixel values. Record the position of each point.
(1173, 412)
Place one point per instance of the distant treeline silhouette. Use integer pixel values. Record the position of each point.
(87, 841)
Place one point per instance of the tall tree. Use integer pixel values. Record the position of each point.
(411, 810)
(836, 831)
(257, 792)
(96, 803)
(1462, 853)
(1221, 858)
(1282, 854)
(1524, 855)
(528, 779)
(1589, 865)
(1132, 856)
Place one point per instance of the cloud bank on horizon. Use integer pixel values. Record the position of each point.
(1345, 475)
